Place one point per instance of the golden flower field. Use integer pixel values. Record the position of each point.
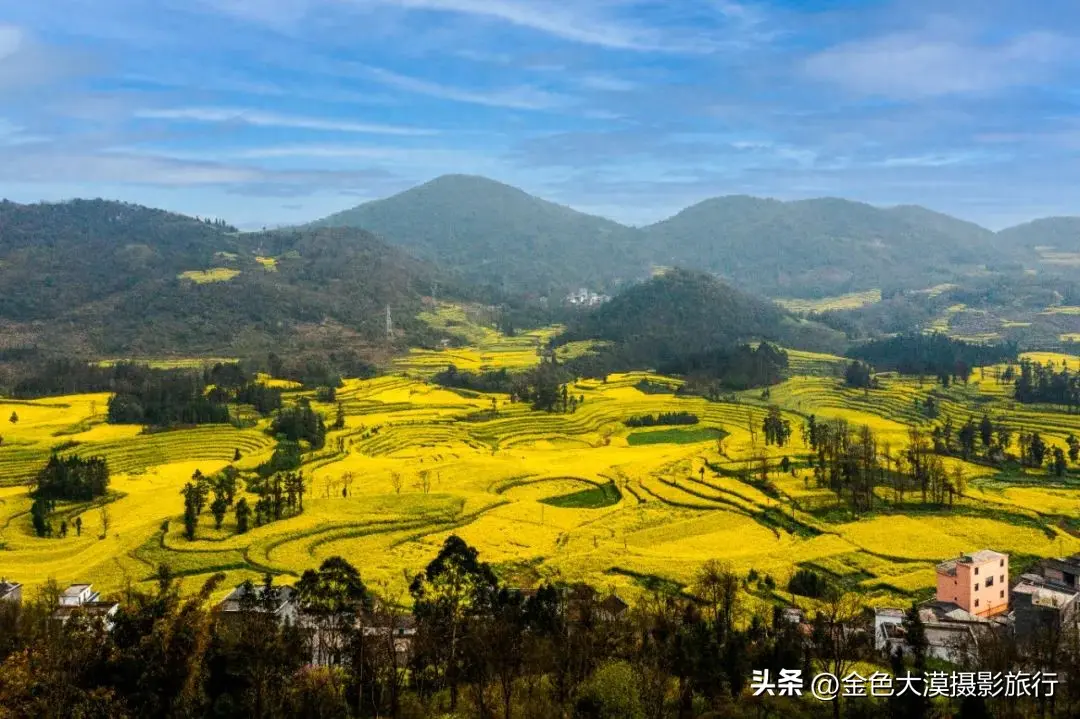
(426, 473)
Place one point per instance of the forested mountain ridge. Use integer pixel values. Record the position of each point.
(96, 278)
(497, 235)
(817, 247)
(1055, 233)
(491, 233)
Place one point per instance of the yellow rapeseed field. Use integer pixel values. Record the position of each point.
(528, 488)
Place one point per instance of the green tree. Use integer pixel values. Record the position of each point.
(330, 599)
(1059, 463)
(191, 512)
(986, 431)
(218, 508)
(243, 514)
(611, 692)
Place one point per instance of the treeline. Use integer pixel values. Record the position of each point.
(474, 647)
(931, 354)
(1041, 382)
(664, 418)
(546, 387)
(39, 377)
(152, 396)
(738, 368)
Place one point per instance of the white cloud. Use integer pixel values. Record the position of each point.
(606, 83)
(518, 98)
(917, 65)
(259, 118)
(11, 38)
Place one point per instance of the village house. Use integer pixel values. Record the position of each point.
(977, 583)
(1047, 599)
(10, 591)
(972, 597)
(284, 603)
(82, 599)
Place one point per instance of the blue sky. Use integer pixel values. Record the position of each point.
(277, 111)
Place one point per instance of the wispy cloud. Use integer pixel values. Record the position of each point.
(570, 21)
(518, 98)
(921, 65)
(259, 118)
(606, 83)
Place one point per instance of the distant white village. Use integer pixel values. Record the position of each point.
(586, 298)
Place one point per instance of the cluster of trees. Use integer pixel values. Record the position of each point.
(991, 441)
(664, 418)
(300, 423)
(859, 374)
(280, 495)
(931, 354)
(71, 479)
(1038, 382)
(493, 381)
(776, 429)
(852, 463)
(738, 368)
(197, 492)
(546, 387)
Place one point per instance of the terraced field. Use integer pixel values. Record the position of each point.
(570, 496)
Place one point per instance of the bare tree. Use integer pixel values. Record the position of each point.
(396, 482)
(347, 480)
(717, 586)
(839, 639)
(105, 520)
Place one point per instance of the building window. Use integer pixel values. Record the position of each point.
(976, 571)
(976, 602)
(989, 581)
(1002, 593)
(1002, 578)
(1002, 564)
(976, 586)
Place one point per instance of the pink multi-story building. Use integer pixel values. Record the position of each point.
(978, 583)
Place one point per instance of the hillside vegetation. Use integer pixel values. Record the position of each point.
(681, 313)
(99, 278)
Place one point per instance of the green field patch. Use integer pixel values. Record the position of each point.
(606, 495)
(675, 436)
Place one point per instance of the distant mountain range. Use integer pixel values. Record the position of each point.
(99, 278)
(488, 232)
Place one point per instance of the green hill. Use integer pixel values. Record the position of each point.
(682, 313)
(496, 235)
(97, 278)
(818, 247)
(1053, 234)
